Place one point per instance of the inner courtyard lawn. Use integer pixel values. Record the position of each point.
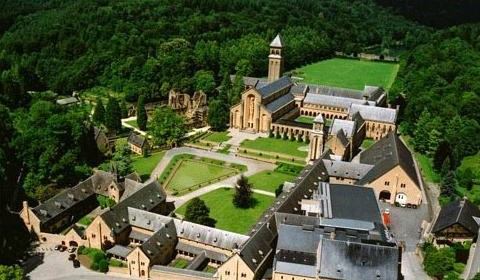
(269, 180)
(218, 137)
(304, 119)
(191, 173)
(348, 73)
(229, 217)
(145, 165)
(276, 145)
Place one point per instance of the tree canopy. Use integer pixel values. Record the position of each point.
(166, 127)
(198, 212)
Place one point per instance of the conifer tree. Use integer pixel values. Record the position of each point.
(198, 212)
(123, 109)
(113, 118)
(141, 113)
(243, 193)
(99, 113)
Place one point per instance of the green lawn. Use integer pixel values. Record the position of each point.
(86, 220)
(179, 263)
(305, 119)
(225, 150)
(276, 145)
(218, 137)
(191, 173)
(145, 165)
(348, 73)
(269, 180)
(227, 215)
(426, 167)
(133, 123)
(367, 143)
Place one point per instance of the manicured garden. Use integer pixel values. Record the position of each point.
(145, 165)
(348, 73)
(217, 137)
(305, 119)
(275, 145)
(192, 173)
(229, 217)
(179, 263)
(269, 180)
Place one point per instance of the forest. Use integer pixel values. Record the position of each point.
(147, 47)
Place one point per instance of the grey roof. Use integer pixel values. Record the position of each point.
(385, 154)
(197, 250)
(319, 119)
(102, 180)
(68, 101)
(277, 42)
(298, 89)
(374, 113)
(187, 230)
(347, 126)
(340, 259)
(119, 251)
(137, 140)
(138, 235)
(147, 198)
(334, 101)
(346, 169)
(57, 206)
(211, 236)
(458, 212)
(279, 103)
(305, 240)
(354, 203)
(342, 137)
(336, 91)
(163, 238)
(284, 265)
(275, 86)
(183, 272)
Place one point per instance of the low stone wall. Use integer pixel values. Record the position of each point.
(276, 156)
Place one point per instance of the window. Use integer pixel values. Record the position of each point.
(387, 183)
(402, 185)
(243, 275)
(133, 262)
(93, 235)
(142, 263)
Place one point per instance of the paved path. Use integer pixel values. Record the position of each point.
(253, 167)
(411, 267)
(125, 124)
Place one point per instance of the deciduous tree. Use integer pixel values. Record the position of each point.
(166, 127)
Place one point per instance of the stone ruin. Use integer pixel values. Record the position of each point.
(193, 108)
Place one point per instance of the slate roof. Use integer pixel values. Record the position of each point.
(347, 126)
(275, 86)
(334, 101)
(182, 271)
(354, 203)
(164, 237)
(458, 212)
(279, 103)
(298, 89)
(119, 251)
(374, 113)
(346, 169)
(137, 140)
(385, 154)
(277, 42)
(147, 198)
(340, 259)
(197, 251)
(68, 101)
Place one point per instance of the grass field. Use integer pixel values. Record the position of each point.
(218, 137)
(348, 73)
(269, 180)
(145, 165)
(179, 263)
(426, 167)
(304, 119)
(275, 145)
(367, 143)
(191, 173)
(227, 215)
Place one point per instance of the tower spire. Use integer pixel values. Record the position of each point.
(275, 60)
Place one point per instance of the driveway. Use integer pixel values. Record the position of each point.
(54, 265)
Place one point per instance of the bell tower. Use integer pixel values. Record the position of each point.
(317, 135)
(275, 60)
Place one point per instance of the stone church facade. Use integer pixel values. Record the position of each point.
(273, 104)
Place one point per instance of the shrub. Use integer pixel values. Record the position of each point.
(98, 256)
(285, 136)
(80, 250)
(94, 266)
(278, 136)
(103, 265)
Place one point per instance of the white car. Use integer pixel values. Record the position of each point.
(72, 249)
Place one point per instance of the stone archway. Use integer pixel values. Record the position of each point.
(73, 243)
(250, 111)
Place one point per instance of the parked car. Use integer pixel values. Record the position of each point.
(76, 263)
(72, 249)
(57, 247)
(71, 257)
(62, 248)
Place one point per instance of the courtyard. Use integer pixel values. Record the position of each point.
(229, 217)
(280, 146)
